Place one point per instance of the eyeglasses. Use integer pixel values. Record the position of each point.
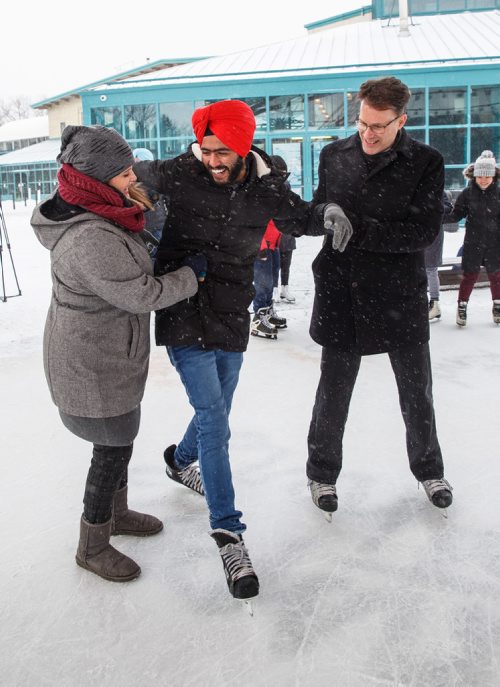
(376, 128)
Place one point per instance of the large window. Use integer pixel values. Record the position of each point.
(317, 145)
(140, 121)
(352, 108)
(418, 134)
(451, 143)
(107, 116)
(485, 104)
(290, 150)
(484, 138)
(416, 107)
(286, 112)
(258, 106)
(175, 119)
(326, 110)
(447, 106)
(454, 178)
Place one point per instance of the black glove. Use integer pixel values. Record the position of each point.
(337, 226)
(198, 263)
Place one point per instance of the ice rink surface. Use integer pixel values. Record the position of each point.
(391, 593)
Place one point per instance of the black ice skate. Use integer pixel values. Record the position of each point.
(240, 576)
(324, 496)
(438, 492)
(275, 319)
(189, 477)
(261, 325)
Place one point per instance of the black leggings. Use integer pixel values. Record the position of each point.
(108, 473)
(285, 262)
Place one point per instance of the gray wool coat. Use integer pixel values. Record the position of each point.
(97, 334)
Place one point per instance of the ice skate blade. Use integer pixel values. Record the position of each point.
(327, 515)
(248, 606)
(264, 336)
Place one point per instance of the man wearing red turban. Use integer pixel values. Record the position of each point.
(232, 121)
(222, 194)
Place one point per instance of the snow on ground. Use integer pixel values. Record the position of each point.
(390, 593)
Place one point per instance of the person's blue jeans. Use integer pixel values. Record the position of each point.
(210, 378)
(263, 281)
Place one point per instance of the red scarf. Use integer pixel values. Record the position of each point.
(103, 200)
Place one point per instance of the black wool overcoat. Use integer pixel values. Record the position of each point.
(226, 223)
(372, 298)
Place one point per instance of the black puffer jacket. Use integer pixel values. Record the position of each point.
(226, 224)
(372, 298)
(482, 226)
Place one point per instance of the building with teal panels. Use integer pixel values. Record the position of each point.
(302, 91)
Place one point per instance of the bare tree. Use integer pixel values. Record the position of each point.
(15, 108)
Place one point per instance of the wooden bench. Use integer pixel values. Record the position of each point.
(450, 274)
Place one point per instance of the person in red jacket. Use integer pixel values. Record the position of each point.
(266, 321)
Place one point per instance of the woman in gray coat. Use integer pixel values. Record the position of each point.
(96, 341)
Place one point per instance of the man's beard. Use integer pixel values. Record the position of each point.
(236, 171)
(233, 173)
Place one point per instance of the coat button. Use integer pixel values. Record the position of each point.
(354, 284)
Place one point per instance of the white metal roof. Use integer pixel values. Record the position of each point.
(46, 151)
(21, 129)
(463, 39)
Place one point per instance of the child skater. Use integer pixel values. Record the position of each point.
(479, 203)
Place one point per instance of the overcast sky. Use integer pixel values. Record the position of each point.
(50, 48)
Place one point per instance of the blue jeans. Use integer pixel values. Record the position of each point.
(265, 277)
(263, 281)
(210, 378)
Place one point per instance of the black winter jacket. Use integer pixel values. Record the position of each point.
(372, 298)
(482, 226)
(226, 224)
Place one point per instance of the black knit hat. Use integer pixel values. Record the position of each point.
(97, 151)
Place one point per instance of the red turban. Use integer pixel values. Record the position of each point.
(232, 121)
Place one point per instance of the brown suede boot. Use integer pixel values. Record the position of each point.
(125, 521)
(96, 554)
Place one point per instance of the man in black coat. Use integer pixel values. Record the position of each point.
(379, 194)
(222, 194)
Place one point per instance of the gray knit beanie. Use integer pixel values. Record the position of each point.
(97, 151)
(485, 165)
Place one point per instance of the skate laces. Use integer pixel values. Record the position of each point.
(265, 317)
(237, 561)
(432, 486)
(320, 489)
(190, 477)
